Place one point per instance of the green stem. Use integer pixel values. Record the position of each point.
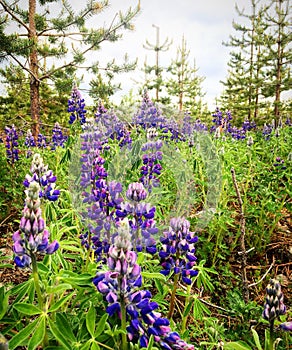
(35, 275)
(185, 317)
(123, 324)
(271, 342)
(172, 299)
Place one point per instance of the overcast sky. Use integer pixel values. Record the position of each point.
(204, 24)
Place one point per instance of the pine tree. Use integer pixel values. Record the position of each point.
(156, 83)
(184, 82)
(52, 31)
(245, 74)
(279, 54)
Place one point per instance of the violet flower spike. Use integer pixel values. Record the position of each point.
(120, 286)
(32, 237)
(177, 253)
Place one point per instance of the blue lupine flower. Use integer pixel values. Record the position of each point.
(121, 284)
(44, 177)
(148, 115)
(286, 326)
(141, 218)
(11, 144)
(58, 138)
(151, 167)
(76, 107)
(177, 253)
(32, 237)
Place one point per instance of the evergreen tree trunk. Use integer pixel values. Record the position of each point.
(278, 79)
(33, 66)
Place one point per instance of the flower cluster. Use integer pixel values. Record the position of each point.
(44, 177)
(248, 125)
(148, 114)
(76, 107)
(58, 138)
(267, 131)
(141, 218)
(119, 286)
(113, 127)
(274, 305)
(101, 197)
(11, 144)
(42, 141)
(151, 167)
(177, 253)
(32, 237)
(220, 120)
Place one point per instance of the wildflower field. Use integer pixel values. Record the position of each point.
(145, 232)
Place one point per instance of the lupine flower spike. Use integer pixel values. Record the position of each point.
(274, 306)
(32, 237)
(11, 144)
(44, 177)
(120, 287)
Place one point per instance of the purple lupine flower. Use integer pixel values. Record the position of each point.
(42, 141)
(267, 131)
(148, 115)
(58, 138)
(101, 197)
(32, 237)
(151, 167)
(76, 107)
(177, 253)
(274, 305)
(286, 326)
(29, 139)
(11, 144)
(141, 218)
(113, 127)
(120, 286)
(219, 120)
(248, 125)
(44, 177)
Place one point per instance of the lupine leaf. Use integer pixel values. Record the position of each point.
(90, 320)
(101, 325)
(23, 335)
(38, 334)
(153, 275)
(236, 346)
(64, 326)
(60, 302)
(27, 309)
(86, 346)
(59, 336)
(3, 302)
(188, 307)
(59, 288)
(256, 338)
(95, 346)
